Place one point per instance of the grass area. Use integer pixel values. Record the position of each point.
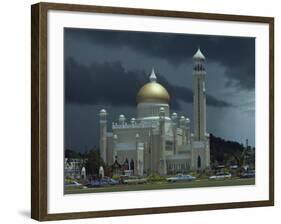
(163, 185)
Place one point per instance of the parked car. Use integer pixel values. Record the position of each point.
(220, 175)
(93, 183)
(72, 184)
(102, 182)
(109, 181)
(248, 174)
(133, 180)
(181, 177)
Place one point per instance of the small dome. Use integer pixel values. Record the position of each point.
(174, 115)
(182, 120)
(133, 120)
(122, 117)
(103, 112)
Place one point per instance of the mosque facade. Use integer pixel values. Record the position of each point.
(158, 141)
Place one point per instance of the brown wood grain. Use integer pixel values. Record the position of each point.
(39, 204)
(38, 112)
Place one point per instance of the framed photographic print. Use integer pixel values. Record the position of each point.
(139, 111)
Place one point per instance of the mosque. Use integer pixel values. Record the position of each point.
(157, 141)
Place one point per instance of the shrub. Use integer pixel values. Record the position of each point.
(155, 177)
(193, 173)
(116, 177)
(69, 179)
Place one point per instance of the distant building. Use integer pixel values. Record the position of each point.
(155, 141)
(73, 168)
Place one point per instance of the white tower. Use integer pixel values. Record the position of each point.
(175, 136)
(139, 159)
(103, 134)
(199, 100)
(187, 121)
(114, 152)
(162, 163)
(183, 127)
(200, 153)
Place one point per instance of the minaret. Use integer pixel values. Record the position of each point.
(183, 127)
(139, 158)
(114, 152)
(137, 140)
(162, 164)
(199, 100)
(122, 119)
(175, 135)
(103, 133)
(187, 121)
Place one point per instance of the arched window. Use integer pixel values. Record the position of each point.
(199, 162)
(126, 164)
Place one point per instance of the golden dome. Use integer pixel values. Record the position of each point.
(153, 92)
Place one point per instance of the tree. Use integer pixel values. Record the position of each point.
(94, 161)
(227, 152)
(70, 154)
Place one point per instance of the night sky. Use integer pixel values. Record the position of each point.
(105, 69)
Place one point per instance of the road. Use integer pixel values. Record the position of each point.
(164, 185)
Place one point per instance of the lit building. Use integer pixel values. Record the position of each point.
(157, 141)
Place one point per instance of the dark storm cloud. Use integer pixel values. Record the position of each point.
(237, 54)
(111, 83)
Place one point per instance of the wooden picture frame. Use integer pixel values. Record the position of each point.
(39, 110)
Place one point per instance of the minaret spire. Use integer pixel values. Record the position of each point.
(152, 77)
(198, 55)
